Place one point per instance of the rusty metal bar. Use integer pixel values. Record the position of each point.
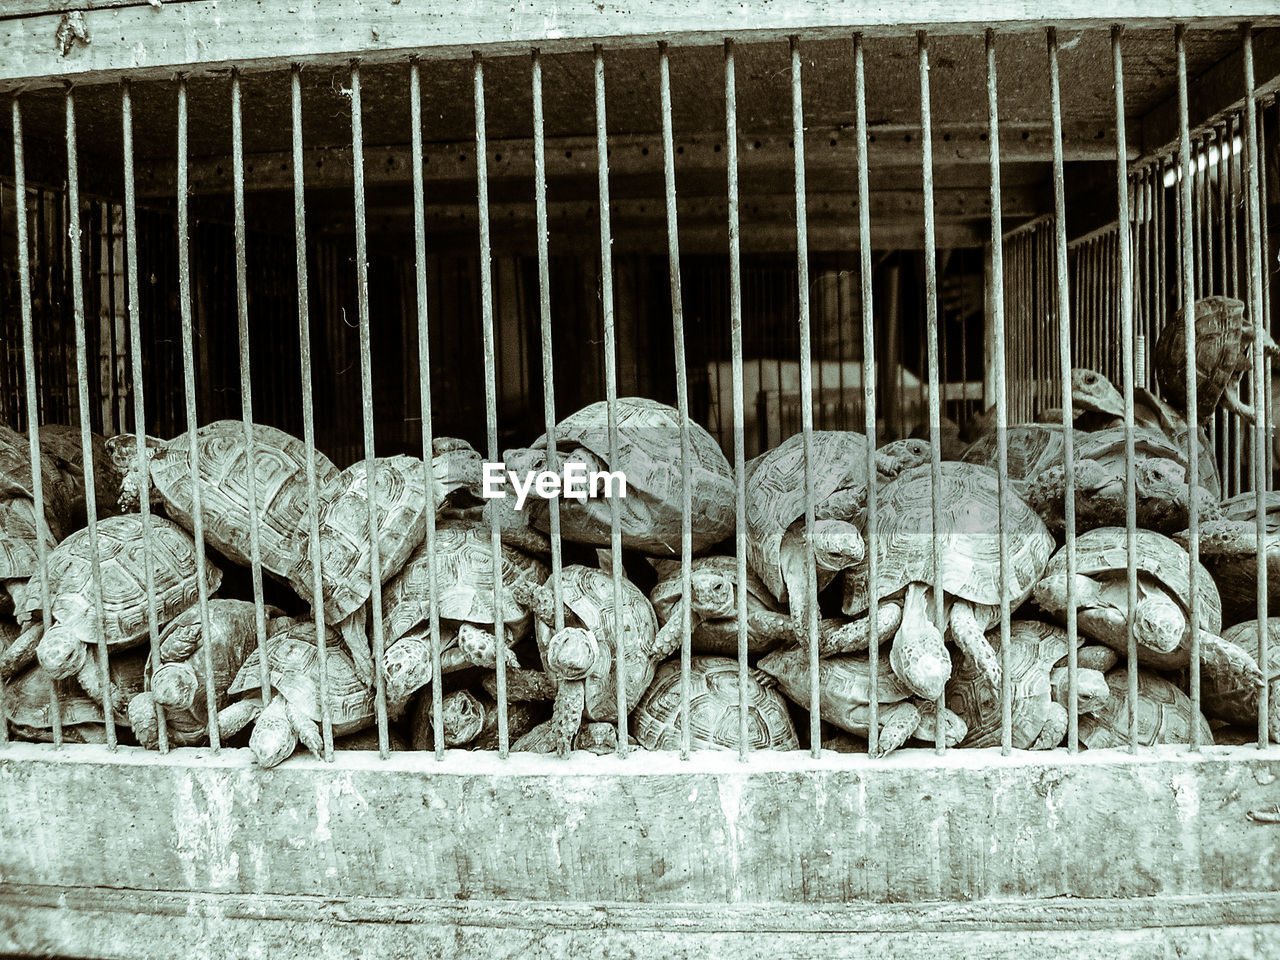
(424, 399)
(806, 398)
(139, 398)
(491, 393)
(1254, 184)
(1189, 316)
(1268, 390)
(308, 411)
(185, 306)
(33, 405)
(366, 396)
(611, 384)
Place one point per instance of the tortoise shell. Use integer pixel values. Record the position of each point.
(464, 572)
(1240, 704)
(16, 480)
(1164, 714)
(776, 492)
(19, 533)
(649, 452)
(1031, 448)
(294, 658)
(280, 474)
(967, 534)
(1034, 648)
(28, 702)
(346, 570)
(1221, 353)
(844, 685)
(1229, 549)
(713, 709)
(718, 635)
(63, 445)
(124, 576)
(588, 593)
(1103, 552)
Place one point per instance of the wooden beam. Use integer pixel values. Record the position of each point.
(212, 34)
(1215, 93)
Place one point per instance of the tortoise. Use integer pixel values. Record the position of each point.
(471, 720)
(1224, 340)
(1240, 705)
(294, 712)
(65, 647)
(21, 531)
(597, 736)
(1229, 549)
(649, 452)
(28, 701)
(63, 445)
(1165, 714)
(177, 681)
(776, 510)
(1160, 619)
(1031, 447)
(967, 545)
(844, 685)
(1039, 705)
(16, 480)
(713, 709)
(582, 658)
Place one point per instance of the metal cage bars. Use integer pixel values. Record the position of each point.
(1194, 267)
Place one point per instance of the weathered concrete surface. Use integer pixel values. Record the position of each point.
(991, 856)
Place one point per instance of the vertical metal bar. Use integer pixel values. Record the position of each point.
(1220, 206)
(424, 397)
(1254, 183)
(806, 395)
(246, 383)
(366, 396)
(308, 410)
(868, 390)
(611, 383)
(185, 306)
(139, 403)
(739, 413)
(114, 424)
(1267, 392)
(931, 319)
(1002, 410)
(1189, 317)
(682, 397)
(491, 392)
(33, 400)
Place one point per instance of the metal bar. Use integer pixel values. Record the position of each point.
(139, 399)
(491, 394)
(1189, 325)
(366, 396)
(1268, 390)
(114, 424)
(739, 413)
(806, 398)
(246, 384)
(185, 305)
(33, 402)
(308, 411)
(425, 400)
(611, 385)
(682, 398)
(868, 390)
(1254, 183)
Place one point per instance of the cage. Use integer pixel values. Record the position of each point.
(374, 227)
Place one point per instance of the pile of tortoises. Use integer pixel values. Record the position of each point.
(232, 580)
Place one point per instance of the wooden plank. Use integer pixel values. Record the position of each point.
(208, 34)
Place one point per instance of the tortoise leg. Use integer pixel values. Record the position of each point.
(236, 716)
(308, 730)
(897, 722)
(1231, 400)
(274, 738)
(842, 636)
(969, 637)
(566, 714)
(355, 635)
(794, 567)
(64, 647)
(918, 655)
(144, 720)
(22, 651)
(769, 626)
(1229, 663)
(91, 676)
(1054, 729)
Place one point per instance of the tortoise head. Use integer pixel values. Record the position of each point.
(174, 686)
(1162, 479)
(713, 594)
(63, 648)
(571, 653)
(1158, 622)
(1091, 391)
(900, 455)
(600, 738)
(122, 451)
(462, 717)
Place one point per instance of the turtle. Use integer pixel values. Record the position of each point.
(1239, 704)
(1224, 340)
(650, 460)
(471, 720)
(464, 578)
(582, 659)
(844, 685)
(1229, 549)
(21, 531)
(596, 736)
(294, 712)
(1039, 706)
(1160, 624)
(967, 545)
(17, 482)
(177, 681)
(776, 510)
(1031, 449)
(28, 701)
(1165, 714)
(64, 648)
(714, 683)
(63, 444)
